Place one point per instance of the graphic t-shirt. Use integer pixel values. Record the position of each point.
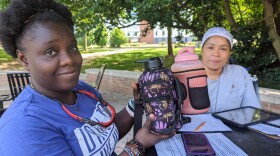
(37, 125)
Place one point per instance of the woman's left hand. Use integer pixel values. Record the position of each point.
(146, 137)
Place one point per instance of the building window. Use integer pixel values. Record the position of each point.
(135, 33)
(163, 33)
(128, 34)
(156, 33)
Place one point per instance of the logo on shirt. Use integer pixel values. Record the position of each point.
(97, 140)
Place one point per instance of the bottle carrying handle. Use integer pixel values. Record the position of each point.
(186, 49)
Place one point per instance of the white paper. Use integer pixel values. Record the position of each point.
(275, 122)
(266, 129)
(212, 124)
(171, 147)
(221, 145)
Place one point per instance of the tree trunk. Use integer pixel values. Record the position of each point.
(276, 8)
(229, 14)
(85, 43)
(270, 24)
(169, 41)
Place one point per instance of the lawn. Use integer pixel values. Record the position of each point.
(4, 57)
(121, 61)
(126, 61)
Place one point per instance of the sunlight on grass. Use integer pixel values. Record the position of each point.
(4, 57)
(126, 61)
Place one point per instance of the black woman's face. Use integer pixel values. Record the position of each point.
(52, 57)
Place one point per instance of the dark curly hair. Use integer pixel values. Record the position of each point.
(22, 15)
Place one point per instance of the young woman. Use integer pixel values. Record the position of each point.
(229, 86)
(58, 114)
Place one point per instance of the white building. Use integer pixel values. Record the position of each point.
(156, 35)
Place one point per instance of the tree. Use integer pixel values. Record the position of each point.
(193, 14)
(4, 4)
(169, 41)
(117, 38)
(84, 18)
(101, 35)
(271, 10)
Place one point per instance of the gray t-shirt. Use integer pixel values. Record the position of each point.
(233, 89)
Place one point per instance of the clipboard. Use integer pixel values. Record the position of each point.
(266, 127)
(246, 116)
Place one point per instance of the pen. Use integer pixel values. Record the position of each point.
(199, 126)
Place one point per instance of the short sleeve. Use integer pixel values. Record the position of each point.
(31, 136)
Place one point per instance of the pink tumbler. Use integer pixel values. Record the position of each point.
(191, 72)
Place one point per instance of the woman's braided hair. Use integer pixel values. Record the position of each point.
(22, 15)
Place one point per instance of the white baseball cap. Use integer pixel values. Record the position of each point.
(217, 31)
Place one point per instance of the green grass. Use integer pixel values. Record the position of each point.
(5, 57)
(126, 61)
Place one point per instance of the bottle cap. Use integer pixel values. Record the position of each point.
(151, 63)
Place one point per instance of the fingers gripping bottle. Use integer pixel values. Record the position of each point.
(158, 93)
(191, 72)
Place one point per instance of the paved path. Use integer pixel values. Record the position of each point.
(97, 54)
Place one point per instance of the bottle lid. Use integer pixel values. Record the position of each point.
(151, 63)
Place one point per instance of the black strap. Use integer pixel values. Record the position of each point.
(181, 92)
(186, 119)
(138, 114)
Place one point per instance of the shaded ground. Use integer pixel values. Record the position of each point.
(11, 65)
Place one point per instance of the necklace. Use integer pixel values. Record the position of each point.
(107, 108)
(74, 106)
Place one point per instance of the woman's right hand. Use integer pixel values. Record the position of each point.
(146, 137)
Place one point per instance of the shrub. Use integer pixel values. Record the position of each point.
(100, 35)
(117, 38)
(270, 78)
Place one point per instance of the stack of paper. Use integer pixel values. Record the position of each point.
(221, 145)
(270, 131)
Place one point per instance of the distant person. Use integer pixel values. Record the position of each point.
(229, 86)
(58, 114)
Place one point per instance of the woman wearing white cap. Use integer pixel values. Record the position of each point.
(229, 86)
